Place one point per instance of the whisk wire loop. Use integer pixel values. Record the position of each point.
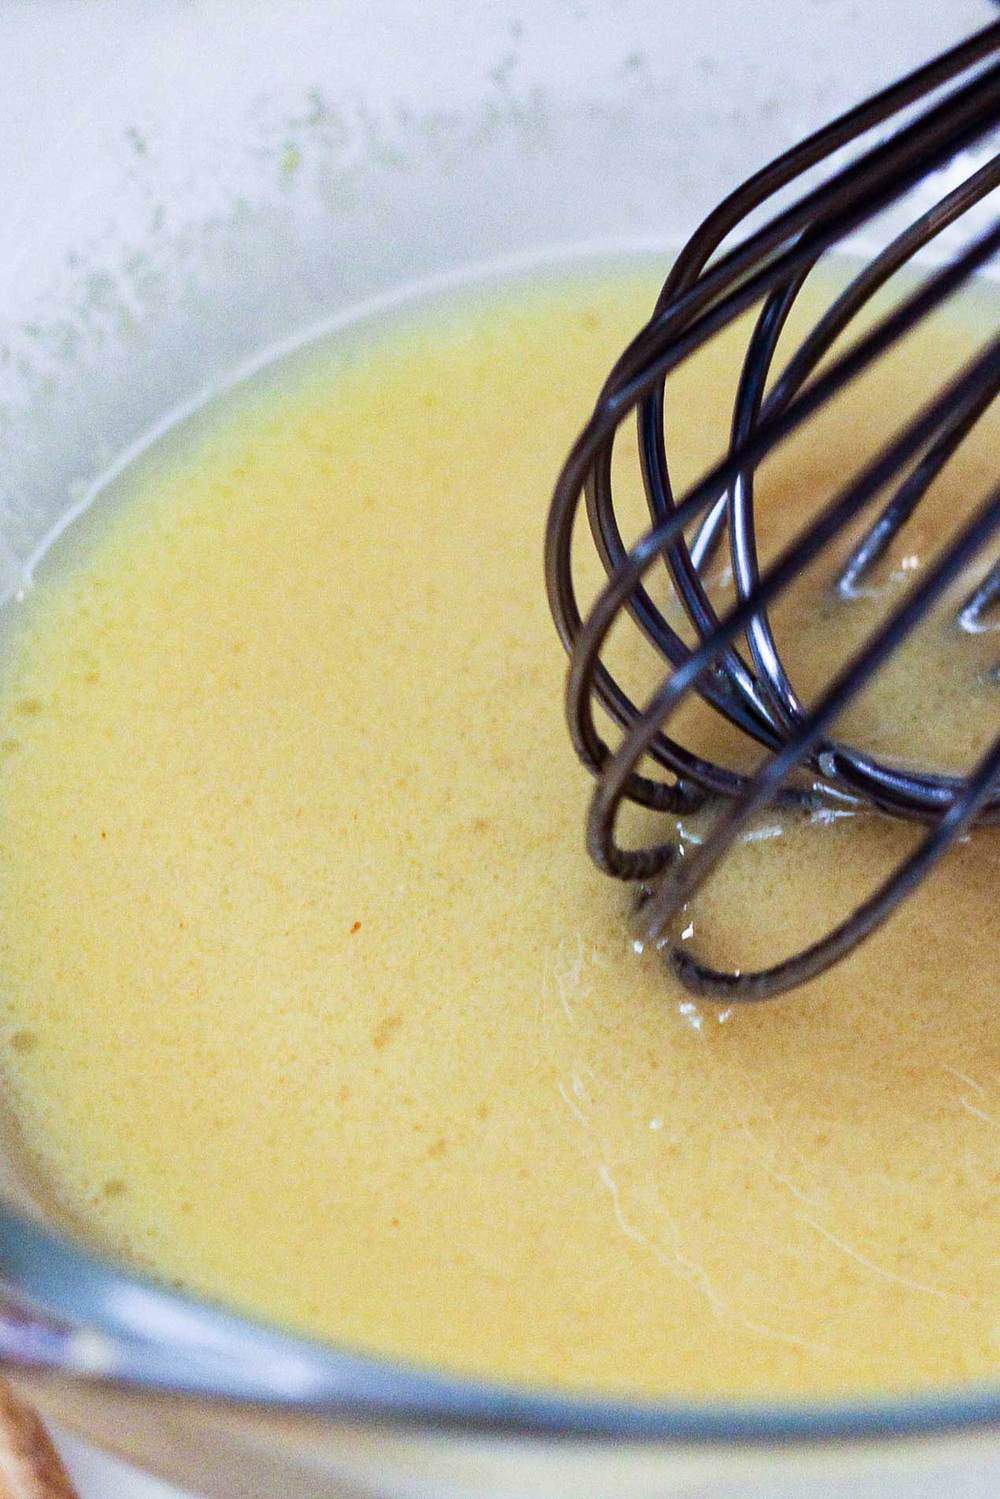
(735, 664)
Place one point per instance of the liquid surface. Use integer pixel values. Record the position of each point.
(312, 1001)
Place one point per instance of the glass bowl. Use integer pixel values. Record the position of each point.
(184, 186)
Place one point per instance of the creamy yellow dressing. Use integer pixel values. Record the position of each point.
(312, 1001)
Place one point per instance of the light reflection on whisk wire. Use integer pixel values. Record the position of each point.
(753, 690)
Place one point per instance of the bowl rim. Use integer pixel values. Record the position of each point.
(72, 1313)
(68, 1311)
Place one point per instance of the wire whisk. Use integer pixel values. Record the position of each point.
(922, 124)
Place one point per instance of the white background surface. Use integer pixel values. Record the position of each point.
(99, 1477)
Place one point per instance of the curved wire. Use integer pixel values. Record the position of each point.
(609, 791)
(703, 293)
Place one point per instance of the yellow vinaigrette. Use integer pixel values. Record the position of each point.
(311, 999)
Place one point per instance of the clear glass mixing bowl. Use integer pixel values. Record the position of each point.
(183, 185)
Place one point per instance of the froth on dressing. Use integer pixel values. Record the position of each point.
(313, 1003)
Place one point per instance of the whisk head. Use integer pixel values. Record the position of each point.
(731, 658)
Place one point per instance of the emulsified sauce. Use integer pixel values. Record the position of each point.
(311, 1000)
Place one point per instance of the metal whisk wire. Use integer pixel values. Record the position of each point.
(751, 687)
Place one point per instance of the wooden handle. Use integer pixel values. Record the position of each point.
(29, 1464)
